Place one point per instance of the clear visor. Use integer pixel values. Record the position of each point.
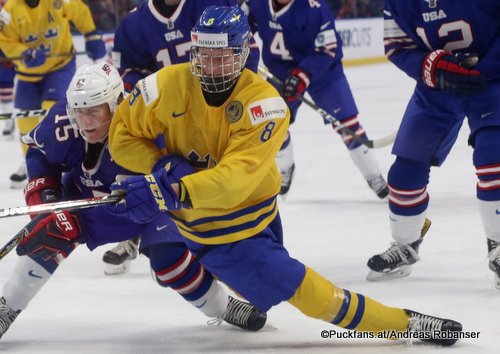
(92, 122)
(217, 68)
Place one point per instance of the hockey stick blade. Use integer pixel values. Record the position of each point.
(24, 114)
(373, 144)
(65, 205)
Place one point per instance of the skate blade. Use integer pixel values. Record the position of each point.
(18, 185)
(111, 269)
(497, 282)
(400, 272)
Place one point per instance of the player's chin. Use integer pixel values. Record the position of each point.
(93, 136)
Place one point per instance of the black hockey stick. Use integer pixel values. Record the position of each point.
(24, 114)
(377, 143)
(58, 206)
(54, 55)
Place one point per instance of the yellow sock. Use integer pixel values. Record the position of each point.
(25, 125)
(317, 297)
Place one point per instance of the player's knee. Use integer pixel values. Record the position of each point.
(175, 267)
(317, 297)
(407, 174)
(486, 146)
(486, 158)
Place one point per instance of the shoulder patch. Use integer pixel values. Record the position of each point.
(149, 89)
(5, 17)
(266, 109)
(234, 111)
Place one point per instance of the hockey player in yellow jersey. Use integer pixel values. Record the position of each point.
(229, 124)
(37, 33)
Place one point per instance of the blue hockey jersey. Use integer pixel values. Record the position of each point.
(146, 40)
(301, 34)
(414, 28)
(57, 149)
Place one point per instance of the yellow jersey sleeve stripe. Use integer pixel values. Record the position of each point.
(240, 232)
(231, 216)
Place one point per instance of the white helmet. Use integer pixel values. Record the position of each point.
(93, 85)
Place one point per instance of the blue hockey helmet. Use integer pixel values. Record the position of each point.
(220, 47)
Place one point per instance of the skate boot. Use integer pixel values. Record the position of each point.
(435, 330)
(7, 316)
(242, 314)
(9, 129)
(286, 180)
(117, 260)
(379, 186)
(19, 179)
(397, 260)
(494, 256)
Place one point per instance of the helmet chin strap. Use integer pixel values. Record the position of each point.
(32, 3)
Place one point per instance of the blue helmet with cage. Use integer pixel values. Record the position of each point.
(220, 47)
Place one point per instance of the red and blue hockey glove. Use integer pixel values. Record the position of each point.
(33, 57)
(147, 196)
(42, 190)
(94, 45)
(50, 235)
(452, 73)
(295, 85)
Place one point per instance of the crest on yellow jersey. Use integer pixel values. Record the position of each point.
(57, 4)
(234, 111)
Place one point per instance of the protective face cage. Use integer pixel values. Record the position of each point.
(218, 69)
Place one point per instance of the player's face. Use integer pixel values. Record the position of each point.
(94, 122)
(219, 62)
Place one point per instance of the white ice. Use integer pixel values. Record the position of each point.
(332, 222)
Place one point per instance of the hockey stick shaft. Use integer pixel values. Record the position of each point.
(58, 206)
(378, 143)
(54, 55)
(24, 114)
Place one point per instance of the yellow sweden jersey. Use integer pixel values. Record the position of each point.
(22, 27)
(232, 146)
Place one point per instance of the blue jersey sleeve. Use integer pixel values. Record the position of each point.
(326, 45)
(400, 48)
(54, 145)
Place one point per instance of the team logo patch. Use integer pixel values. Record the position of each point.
(80, 83)
(57, 4)
(267, 109)
(432, 3)
(234, 111)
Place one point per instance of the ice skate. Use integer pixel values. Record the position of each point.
(117, 260)
(286, 180)
(396, 261)
(9, 129)
(242, 314)
(7, 316)
(494, 257)
(437, 329)
(379, 186)
(19, 179)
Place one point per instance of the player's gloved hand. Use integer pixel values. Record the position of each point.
(33, 57)
(296, 84)
(94, 45)
(147, 196)
(452, 73)
(42, 190)
(50, 235)
(130, 78)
